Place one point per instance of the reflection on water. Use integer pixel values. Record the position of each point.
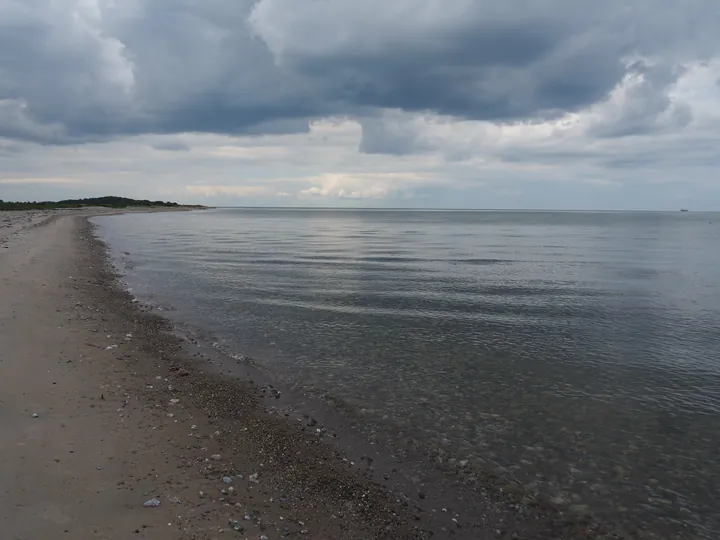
(577, 351)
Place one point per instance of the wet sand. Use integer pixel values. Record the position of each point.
(103, 407)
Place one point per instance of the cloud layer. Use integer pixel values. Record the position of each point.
(529, 83)
(87, 69)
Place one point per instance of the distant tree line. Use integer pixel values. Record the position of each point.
(107, 202)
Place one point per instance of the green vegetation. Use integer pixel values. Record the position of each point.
(107, 202)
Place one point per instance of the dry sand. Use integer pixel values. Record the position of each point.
(125, 414)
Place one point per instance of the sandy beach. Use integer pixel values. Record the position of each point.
(103, 408)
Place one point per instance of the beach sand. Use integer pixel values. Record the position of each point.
(103, 408)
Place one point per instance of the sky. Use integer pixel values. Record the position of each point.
(548, 104)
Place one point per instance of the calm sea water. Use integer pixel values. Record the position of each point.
(577, 352)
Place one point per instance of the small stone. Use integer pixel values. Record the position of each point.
(36, 415)
(216, 457)
(201, 494)
(152, 503)
(174, 401)
(254, 478)
(227, 480)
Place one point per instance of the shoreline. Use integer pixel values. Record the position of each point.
(301, 478)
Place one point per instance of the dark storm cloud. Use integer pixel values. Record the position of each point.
(73, 71)
(511, 71)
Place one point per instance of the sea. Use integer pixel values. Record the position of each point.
(576, 352)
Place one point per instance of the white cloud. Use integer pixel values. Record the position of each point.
(364, 185)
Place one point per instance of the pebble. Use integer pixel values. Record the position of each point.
(216, 457)
(227, 480)
(201, 494)
(36, 415)
(152, 503)
(174, 401)
(254, 478)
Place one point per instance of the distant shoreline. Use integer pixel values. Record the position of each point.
(112, 202)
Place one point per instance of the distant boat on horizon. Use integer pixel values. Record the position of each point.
(684, 210)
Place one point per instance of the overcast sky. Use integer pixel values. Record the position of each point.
(566, 104)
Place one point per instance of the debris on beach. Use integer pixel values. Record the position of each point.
(254, 478)
(152, 503)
